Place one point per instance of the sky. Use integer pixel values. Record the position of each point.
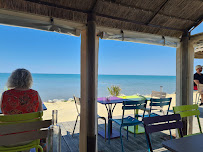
(50, 52)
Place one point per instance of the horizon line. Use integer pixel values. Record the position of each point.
(98, 74)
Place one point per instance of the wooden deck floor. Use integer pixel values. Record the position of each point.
(138, 143)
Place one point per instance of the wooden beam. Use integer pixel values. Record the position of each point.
(16, 18)
(89, 80)
(184, 76)
(94, 5)
(156, 12)
(197, 22)
(196, 37)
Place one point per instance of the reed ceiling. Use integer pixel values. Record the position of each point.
(161, 17)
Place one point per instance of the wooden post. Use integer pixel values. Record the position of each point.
(89, 81)
(184, 76)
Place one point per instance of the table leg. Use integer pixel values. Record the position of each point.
(113, 133)
(138, 129)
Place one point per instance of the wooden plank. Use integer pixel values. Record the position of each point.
(64, 146)
(22, 137)
(13, 128)
(72, 142)
(137, 143)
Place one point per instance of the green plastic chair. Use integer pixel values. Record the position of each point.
(14, 121)
(186, 111)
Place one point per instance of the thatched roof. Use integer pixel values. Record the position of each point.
(198, 48)
(161, 17)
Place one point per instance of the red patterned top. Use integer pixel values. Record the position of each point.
(19, 102)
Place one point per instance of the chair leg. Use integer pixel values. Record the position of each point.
(170, 134)
(198, 98)
(105, 128)
(39, 148)
(109, 131)
(127, 133)
(103, 118)
(121, 139)
(149, 146)
(75, 125)
(134, 131)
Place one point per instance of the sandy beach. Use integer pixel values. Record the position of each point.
(67, 110)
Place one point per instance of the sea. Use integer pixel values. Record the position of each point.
(64, 86)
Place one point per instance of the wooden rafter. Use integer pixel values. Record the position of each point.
(156, 12)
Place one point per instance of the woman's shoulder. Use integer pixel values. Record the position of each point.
(8, 91)
(34, 91)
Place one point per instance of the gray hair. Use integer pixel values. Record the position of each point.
(20, 78)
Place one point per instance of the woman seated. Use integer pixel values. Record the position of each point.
(20, 98)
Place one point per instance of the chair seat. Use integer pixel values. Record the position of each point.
(152, 115)
(128, 121)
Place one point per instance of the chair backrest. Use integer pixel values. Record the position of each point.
(22, 127)
(77, 102)
(200, 88)
(188, 110)
(21, 118)
(160, 123)
(160, 103)
(134, 105)
(156, 94)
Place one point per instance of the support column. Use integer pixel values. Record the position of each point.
(184, 77)
(89, 82)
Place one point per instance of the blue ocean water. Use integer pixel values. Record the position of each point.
(64, 86)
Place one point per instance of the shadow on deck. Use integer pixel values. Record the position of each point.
(138, 143)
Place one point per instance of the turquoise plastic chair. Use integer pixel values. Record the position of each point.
(158, 103)
(128, 121)
(154, 102)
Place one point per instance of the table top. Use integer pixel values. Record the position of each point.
(43, 106)
(103, 100)
(185, 144)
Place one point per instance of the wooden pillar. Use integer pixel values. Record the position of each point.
(89, 81)
(184, 76)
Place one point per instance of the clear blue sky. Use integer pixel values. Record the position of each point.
(49, 52)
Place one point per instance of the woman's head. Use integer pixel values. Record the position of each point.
(20, 78)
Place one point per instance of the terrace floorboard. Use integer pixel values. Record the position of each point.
(134, 144)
